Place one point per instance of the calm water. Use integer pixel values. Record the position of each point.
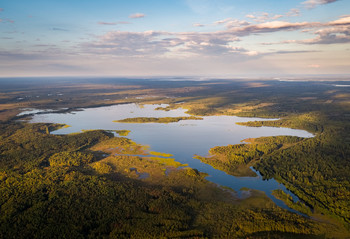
(183, 139)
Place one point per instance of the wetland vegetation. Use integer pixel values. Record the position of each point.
(88, 184)
(122, 132)
(237, 159)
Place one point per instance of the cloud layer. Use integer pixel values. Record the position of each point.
(217, 43)
(314, 3)
(205, 40)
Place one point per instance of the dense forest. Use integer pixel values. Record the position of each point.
(316, 169)
(237, 159)
(95, 185)
(58, 186)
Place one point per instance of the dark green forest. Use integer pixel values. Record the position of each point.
(315, 169)
(237, 159)
(75, 186)
(50, 190)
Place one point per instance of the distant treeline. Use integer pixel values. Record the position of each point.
(164, 120)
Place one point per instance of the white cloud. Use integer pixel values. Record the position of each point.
(224, 21)
(230, 23)
(263, 17)
(314, 3)
(158, 43)
(294, 12)
(251, 53)
(121, 43)
(137, 15)
(334, 32)
(113, 23)
(280, 25)
(273, 26)
(215, 46)
(345, 20)
(330, 35)
(198, 25)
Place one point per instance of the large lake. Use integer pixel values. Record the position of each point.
(183, 139)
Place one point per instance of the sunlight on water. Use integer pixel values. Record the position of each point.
(183, 139)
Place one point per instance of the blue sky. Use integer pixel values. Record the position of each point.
(174, 37)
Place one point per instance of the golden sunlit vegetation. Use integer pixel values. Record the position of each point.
(95, 185)
(299, 206)
(122, 132)
(67, 158)
(160, 154)
(237, 159)
(315, 169)
(52, 189)
(119, 145)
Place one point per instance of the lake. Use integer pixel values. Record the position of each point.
(183, 139)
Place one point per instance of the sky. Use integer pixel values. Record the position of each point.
(224, 38)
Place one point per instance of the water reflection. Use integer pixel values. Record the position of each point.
(183, 139)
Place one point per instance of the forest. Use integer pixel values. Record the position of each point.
(59, 186)
(237, 159)
(96, 185)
